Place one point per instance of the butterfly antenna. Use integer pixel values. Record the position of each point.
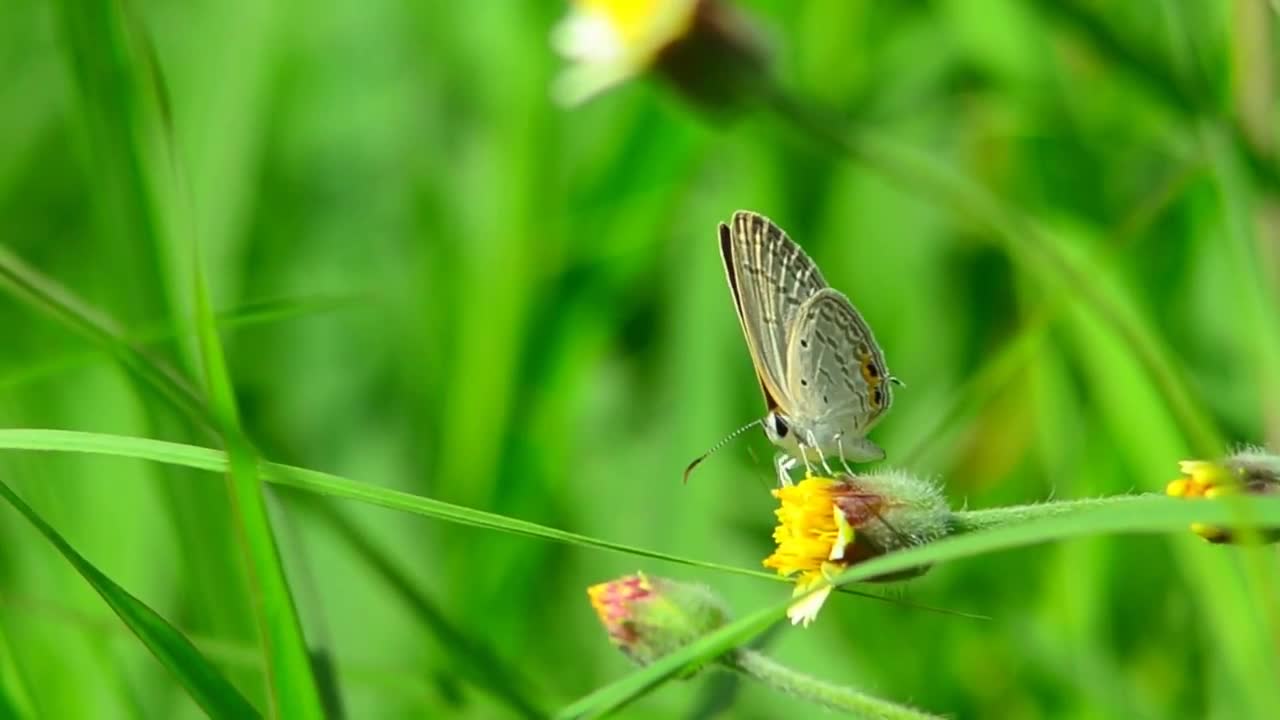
(698, 460)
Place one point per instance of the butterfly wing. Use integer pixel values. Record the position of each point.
(835, 370)
(770, 277)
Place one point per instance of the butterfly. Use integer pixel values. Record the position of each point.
(823, 376)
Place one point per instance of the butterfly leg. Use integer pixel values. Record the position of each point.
(826, 466)
(782, 464)
(822, 458)
(808, 468)
(840, 446)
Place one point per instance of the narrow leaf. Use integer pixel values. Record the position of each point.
(200, 678)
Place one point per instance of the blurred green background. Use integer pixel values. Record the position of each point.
(470, 293)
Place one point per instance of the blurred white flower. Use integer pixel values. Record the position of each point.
(611, 41)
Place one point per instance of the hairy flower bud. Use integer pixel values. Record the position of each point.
(648, 617)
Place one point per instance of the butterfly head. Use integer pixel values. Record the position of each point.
(818, 438)
(778, 428)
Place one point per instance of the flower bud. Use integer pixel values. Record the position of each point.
(826, 525)
(649, 617)
(1250, 471)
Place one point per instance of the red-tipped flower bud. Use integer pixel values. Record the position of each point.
(648, 617)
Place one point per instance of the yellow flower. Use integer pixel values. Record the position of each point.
(611, 41)
(826, 525)
(1249, 471)
(812, 535)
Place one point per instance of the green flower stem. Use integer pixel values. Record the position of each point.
(964, 521)
(835, 697)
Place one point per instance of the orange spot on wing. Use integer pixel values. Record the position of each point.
(872, 376)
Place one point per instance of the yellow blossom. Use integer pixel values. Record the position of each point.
(828, 524)
(1249, 471)
(812, 535)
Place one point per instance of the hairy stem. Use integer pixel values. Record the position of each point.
(806, 687)
(964, 521)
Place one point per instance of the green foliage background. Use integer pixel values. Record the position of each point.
(435, 280)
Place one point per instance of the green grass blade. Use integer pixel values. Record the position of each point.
(331, 485)
(339, 487)
(295, 692)
(205, 684)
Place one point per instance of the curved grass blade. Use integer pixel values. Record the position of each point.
(206, 685)
(1128, 514)
(321, 483)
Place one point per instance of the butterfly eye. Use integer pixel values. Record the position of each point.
(779, 425)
